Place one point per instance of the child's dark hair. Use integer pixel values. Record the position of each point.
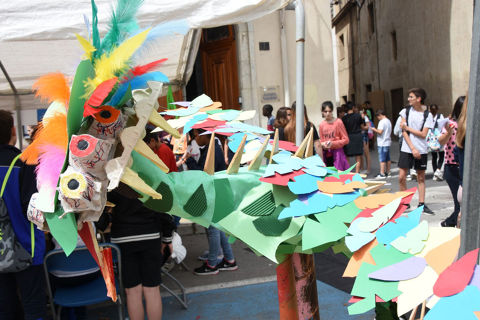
(6, 125)
(457, 107)
(268, 108)
(326, 104)
(419, 93)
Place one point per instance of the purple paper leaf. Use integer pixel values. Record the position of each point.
(404, 270)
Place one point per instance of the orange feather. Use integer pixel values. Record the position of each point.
(53, 87)
(54, 133)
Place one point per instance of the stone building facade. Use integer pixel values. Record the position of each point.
(386, 47)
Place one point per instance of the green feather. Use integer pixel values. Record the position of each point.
(122, 24)
(95, 33)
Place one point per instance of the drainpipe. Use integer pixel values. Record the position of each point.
(299, 275)
(300, 66)
(284, 53)
(17, 106)
(335, 67)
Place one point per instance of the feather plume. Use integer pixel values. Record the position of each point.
(86, 45)
(107, 66)
(53, 87)
(50, 166)
(139, 82)
(95, 33)
(139, 70)
(53, 133)
(122, 23)
(157, 37)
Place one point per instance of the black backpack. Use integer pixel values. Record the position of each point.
(425, 116)
(13, 256)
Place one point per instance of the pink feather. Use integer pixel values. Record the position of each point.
(50, 166)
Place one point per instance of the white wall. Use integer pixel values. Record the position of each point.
(319, 80)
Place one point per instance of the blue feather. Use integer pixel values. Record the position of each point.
(139, 82)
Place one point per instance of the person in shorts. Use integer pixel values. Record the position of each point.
(354, 124)
(416, 120)
(145, 240)
(383, 131)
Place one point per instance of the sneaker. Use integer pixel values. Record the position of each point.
(227, 266)
(413, 174)
(434, 178)
(427, 210)
(438, 175)
(206, 270)
(446, 225)
(409, 177)
(381, 176)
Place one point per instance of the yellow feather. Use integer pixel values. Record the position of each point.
(87, 46)
(107, 66)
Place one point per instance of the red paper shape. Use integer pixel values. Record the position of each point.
(355, 299)
(87, 238)
(282, 179)
(343, 178)
(100, 93)
(286, 145)
(456, 277)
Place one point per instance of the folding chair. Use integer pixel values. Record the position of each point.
(87, 293)
(181, 299)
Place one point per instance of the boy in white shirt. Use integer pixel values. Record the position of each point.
(383, 131)
(416, 120)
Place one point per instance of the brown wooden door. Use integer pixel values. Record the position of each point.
(219, 64)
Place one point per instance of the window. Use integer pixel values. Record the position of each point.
(371, 18)
(352, 97)
(393, 34)
(345, 99)
(341, 47)
(264, 46)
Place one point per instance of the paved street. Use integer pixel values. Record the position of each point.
(256, 275)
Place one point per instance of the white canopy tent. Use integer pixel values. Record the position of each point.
(38, 36)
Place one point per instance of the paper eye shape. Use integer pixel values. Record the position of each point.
(82, 145)
(89, 154)
(107, 114)
(107, 124)
(72, 185)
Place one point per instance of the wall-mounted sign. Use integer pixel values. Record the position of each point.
(270, 94)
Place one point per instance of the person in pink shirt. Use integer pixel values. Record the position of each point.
(451, 169)
(333, 137)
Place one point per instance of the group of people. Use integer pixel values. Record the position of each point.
(421, 130)
(338, 139)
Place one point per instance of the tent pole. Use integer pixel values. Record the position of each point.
(471, 176)
(17, 106)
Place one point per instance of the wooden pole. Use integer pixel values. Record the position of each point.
(306, 286)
